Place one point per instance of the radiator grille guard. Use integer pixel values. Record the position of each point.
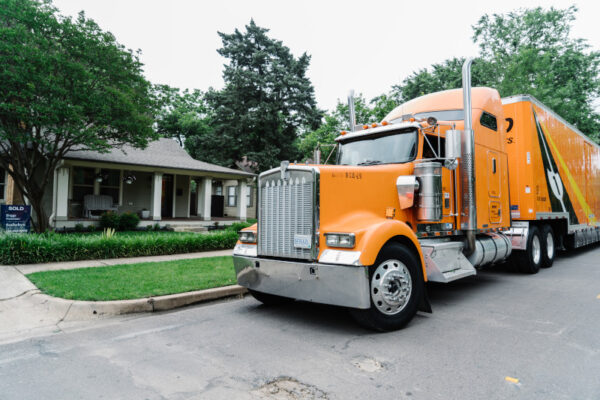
(288, 213)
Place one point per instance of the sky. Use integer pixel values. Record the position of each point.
(368, 45)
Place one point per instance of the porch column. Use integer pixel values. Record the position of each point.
(62, 194)
(204, 194)
(157, 196)
(242, 206)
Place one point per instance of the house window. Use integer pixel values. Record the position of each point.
(111, 183)
(219, 190)
(83, 183)
(248, 196)
(2, 185)
(231, 196)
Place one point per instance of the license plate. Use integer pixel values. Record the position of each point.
(302, 241)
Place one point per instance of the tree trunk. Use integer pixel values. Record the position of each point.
(40, 224)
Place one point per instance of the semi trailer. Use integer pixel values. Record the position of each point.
(444, 185)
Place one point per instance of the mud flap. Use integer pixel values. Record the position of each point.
(424, 304)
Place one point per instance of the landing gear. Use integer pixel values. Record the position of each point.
(529, 260)
(396, 289)
(548, 245)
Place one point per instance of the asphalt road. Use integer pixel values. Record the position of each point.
(486, 333)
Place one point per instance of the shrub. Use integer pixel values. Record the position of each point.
(128, 221)
(79, 228)
(238, 226)
(38, 248)
(109, 220)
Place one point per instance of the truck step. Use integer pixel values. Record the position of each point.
(444, 260)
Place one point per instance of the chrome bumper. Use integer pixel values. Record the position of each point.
(338, 285)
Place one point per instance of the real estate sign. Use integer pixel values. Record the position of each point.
(15, 218)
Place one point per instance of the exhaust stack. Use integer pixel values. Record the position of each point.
(351, 111)
(468, 221)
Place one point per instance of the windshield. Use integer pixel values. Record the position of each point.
(391, 147)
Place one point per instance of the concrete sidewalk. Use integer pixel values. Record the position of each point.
(25, 311)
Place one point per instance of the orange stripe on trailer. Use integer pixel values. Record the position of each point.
(586, 207)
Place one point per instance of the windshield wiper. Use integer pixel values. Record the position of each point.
(370, 162)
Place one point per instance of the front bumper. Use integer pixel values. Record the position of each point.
(338, 285)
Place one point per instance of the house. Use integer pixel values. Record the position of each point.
(162, 183)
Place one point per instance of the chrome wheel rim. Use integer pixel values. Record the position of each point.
(536, 249)
(550, 246)
(391, 287)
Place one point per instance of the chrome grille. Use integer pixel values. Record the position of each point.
(286, 209)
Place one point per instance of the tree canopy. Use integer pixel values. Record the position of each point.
(267, 102)
(64, 84)
(527, 51)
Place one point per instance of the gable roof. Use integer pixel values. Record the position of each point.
(165, 153)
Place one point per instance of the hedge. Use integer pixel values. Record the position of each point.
(51, 247)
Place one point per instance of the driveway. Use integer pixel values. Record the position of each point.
(497, 335)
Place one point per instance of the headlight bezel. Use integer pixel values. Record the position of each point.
(342, 240)
(247, 237)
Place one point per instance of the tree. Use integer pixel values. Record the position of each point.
(526, 51)
(184, 116)
(64, 84)
(267, 102)
(335, 122)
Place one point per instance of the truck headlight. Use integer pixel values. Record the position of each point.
(340, 240)
(247, 236)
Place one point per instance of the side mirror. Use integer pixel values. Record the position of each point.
(453, 148)
(407, 185)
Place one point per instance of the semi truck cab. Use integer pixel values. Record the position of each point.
(421, 196)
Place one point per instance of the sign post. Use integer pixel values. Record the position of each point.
(15, 218)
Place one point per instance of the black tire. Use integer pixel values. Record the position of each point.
(269, 299)
(529, 261)
(394, 256)
(548, 246)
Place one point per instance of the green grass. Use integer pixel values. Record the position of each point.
(134, 281)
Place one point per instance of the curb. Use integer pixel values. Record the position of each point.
(83, 310)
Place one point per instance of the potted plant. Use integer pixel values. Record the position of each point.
(145, 213)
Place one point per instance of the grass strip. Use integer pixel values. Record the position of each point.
(134, 281)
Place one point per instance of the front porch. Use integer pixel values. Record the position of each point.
(178, 199)
(192, 224)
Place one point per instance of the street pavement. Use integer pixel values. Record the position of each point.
(497, 335)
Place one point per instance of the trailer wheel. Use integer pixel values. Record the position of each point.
(529, 261)
(268, 299)
(548, 245)
(396, 288)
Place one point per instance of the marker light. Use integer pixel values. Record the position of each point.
(343, 133)
(365, 126)
(340, 239)
(374, 125)
(385, 123)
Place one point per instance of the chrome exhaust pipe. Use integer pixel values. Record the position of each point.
(467, 163)
(351, 111)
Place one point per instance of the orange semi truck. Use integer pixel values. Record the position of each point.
(430, 194)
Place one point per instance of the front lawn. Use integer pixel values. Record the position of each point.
(134, 281)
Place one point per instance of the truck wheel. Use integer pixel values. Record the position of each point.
(396, 288)
(268, 299)
(529, 261)
(548, 246)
